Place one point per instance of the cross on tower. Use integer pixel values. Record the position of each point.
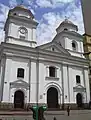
(66, 18)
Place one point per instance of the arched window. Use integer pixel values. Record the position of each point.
(52, 48)
(78, 79)
(65, 29)
(23, 33)
(15, 14)
(20, 72)
(74, 45)
(52, 71)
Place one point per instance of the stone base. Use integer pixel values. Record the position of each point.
(10, 106)
(75, 106)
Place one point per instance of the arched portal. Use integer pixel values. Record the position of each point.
(79, 99)
(52, 98)
(19, 99)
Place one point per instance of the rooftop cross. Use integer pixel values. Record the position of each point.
(66, 18)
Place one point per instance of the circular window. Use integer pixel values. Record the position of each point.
(22, 30)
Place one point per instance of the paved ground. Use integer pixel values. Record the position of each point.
(74, 115)
(60, 115)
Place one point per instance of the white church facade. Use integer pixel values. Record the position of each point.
(54, 74)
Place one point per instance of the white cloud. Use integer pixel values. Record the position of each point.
(43, 3)
(27, 3)
(1, 35)
(14, 3)
(46, 30)
(4, 11)
(52, 3)
(3, 15)
(50, 21)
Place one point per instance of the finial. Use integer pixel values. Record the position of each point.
(66, 18)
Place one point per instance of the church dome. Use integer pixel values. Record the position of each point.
(21, 6)
(67, 25)
(21, 9)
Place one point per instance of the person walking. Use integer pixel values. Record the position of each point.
(68, 110)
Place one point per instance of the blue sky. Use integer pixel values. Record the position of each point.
(49, 14)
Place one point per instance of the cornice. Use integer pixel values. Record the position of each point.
(17, 39)
(17, 19)
(36, 53)
(67, 34)
(60, 48)
(23, 19)
(75, 52)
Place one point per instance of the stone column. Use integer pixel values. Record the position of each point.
(62, 70)
(29, 80)
(6, 89)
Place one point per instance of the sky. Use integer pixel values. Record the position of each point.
(48, 13)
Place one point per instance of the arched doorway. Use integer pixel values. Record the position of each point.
(79, 99)
(19, 99)
(52, 98)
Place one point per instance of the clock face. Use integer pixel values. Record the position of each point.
(22, 30)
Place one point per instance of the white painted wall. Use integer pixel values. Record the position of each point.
(11, 75)
(65, 74)
(65, 81)
(69, 81)
(6, 89)
(68, 44)
(14, 32)
(33, 83)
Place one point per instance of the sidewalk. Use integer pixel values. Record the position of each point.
(65, 112)
(46, 112)
(16, 113)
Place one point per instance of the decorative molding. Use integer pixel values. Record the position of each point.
(79, 88)
(68, 83)
(37, 81)
(18, 39)
(43, 54)
(52, 78)
(62, 77)
(18, 84)
(29, 78)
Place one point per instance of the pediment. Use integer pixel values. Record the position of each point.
(54, 47)
(19, 83)
(79, 88)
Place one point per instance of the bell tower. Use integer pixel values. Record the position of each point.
(68, 37)
(20, 27)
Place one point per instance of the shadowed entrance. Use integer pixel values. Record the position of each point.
(19, 99)
(52, 98)
(79, 99)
